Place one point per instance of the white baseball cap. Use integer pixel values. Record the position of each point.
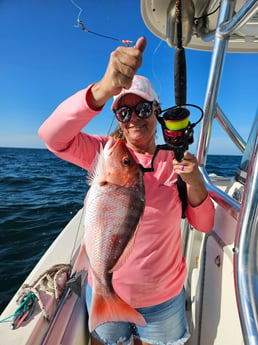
(142, 87)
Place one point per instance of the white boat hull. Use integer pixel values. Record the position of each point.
(71, 324)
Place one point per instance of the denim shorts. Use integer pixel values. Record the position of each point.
(166, 324)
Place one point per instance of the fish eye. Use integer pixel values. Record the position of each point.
(126, 161)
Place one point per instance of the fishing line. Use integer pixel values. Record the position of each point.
(110, 127)
(76, 235)
(83, 27)
(153, 68)
(80, 12)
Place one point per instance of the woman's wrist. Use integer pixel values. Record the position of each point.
(97, 97)
(196, 193)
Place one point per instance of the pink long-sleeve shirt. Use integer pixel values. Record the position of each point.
(155, 270)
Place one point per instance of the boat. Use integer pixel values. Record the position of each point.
(222, 280)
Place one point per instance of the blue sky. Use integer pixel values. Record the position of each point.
(45, 58)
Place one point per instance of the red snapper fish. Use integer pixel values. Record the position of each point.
(114, 206)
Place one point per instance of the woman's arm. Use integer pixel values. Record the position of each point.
(67, 121)
(62, 133)
(62, 130)
(200, 210)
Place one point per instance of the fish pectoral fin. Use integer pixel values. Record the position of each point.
(111, 308)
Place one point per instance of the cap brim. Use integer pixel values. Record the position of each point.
(127, 92)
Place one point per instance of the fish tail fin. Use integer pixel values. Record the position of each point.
(111, 308)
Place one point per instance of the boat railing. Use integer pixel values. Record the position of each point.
(245, 260)
(226, 26)
(239, 19)
(211, 108)
(246, 249)
(229, 27)
(220, 197)
(229, 129)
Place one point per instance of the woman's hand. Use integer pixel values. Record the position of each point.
(190, 174)
(123, 65)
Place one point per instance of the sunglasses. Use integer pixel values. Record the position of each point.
(143, 110)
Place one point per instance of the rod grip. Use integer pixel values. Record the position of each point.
(180, 76)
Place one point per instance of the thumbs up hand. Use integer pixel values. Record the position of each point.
(123, 65)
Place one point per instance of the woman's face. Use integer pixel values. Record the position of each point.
(139, 133)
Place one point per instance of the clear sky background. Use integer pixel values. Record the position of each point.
(45, 58)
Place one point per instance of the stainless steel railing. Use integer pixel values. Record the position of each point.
(240, 18)
(229, 27)
(246, 248)
(217, 61)
(246, 258)
(229, 129)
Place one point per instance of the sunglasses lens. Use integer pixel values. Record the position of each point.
(143, 110)
(123, 114)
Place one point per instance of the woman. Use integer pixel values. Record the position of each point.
(152, 278)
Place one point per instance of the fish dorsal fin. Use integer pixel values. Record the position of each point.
(97, 171)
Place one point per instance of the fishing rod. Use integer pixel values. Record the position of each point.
(176, 127)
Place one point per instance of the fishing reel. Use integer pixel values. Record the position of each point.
(177, 129)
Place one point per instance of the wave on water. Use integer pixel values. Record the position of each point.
(39, 194)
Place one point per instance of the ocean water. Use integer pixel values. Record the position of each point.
(39, 194)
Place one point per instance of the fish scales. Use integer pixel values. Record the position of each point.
(114, 205)
(112, 213)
